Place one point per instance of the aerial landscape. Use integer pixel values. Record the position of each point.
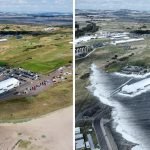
(112, 75)
(35, 75)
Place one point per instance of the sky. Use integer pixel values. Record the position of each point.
(36, 6)
(142, 5)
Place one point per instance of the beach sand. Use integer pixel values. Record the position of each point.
(50, 132)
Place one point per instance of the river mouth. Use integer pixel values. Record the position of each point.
(130, 114)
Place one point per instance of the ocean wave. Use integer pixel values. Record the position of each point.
(132, 75)
(101, 88)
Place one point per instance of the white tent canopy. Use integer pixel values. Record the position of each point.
(8, 84)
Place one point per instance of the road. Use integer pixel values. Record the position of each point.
(104, 136)
(33, 87)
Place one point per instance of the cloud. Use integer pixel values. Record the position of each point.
(22, 1)
(113, 4)
(44, 1)
(36, 5)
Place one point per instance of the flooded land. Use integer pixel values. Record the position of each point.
(112, 77)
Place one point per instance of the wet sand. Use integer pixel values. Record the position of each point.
(50, 132)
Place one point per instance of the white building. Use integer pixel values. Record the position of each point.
(77, 130)
(80, 144)
(8, 84)
(79, 136)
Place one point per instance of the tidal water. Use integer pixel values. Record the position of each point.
(131, 114)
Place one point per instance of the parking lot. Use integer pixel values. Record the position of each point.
(31, 83)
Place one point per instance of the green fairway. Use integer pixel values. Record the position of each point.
(42, 53)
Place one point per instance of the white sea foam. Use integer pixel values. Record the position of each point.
(121, 119)
(120, 114)
(133, 75)
(126, 128)
(98, 87)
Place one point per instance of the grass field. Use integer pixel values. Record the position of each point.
(52, 99)
(42, 53)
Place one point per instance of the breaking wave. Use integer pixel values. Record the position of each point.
(102, 87)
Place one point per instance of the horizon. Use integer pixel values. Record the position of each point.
(88, 9)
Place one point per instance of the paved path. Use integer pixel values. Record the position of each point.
(34, 87)
(105, 139)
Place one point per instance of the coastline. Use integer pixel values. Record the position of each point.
(84, 103)
(102, 92)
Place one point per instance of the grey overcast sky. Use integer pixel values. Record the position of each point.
(143, 5)
(36, 5)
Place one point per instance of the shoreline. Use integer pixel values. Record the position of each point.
(104, 99)
(122, 143)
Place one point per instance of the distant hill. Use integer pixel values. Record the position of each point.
(45, 14)
(53, 18)
(122, 14)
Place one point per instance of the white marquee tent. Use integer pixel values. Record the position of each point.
(8, 84)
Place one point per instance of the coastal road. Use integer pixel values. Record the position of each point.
(104, 136)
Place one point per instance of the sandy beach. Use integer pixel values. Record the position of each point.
(50, 132)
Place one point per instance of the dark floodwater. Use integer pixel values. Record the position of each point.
(131, 115)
